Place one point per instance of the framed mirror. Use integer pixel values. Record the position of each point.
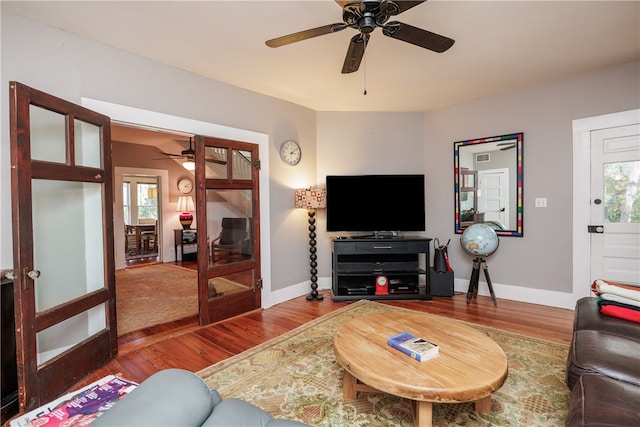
(488, 183)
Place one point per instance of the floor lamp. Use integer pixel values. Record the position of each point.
(312, 199)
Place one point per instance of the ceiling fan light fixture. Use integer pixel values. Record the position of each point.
(189, 165)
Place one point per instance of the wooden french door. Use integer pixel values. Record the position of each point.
(228, 223)
(62, 201)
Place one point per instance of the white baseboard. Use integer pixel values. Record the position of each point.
(293, 291)
(502, 291)
(518, 293)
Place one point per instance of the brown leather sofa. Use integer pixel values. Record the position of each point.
(603, 369)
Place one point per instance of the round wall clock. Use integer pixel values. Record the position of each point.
(185, 186)
(290, 152)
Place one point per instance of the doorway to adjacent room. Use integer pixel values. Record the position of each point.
(140, 202)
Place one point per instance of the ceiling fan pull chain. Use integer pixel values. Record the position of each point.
(365, 75)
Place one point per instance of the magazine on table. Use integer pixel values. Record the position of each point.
(415, 347)
(78, 408)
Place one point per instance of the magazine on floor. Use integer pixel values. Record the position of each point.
(78, 408)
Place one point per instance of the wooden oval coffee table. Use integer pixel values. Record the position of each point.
(469, 368)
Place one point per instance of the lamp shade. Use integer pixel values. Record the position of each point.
(189, 164)
(185, 204)
(311, 198)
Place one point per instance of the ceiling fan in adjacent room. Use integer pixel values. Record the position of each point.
(504, 146)
(365, 16)
(189, 156)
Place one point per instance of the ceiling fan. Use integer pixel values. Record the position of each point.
(506, 145)
(365, 16)
(189, 155)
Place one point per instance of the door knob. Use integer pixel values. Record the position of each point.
(33, 274)
(599, 229)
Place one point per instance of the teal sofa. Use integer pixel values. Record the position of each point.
(175, 397)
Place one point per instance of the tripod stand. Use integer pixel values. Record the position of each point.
(475, 277)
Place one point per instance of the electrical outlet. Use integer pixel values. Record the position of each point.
(541, 202)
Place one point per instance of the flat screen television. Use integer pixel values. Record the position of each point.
(375, 203)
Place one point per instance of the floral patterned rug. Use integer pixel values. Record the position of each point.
(296, 376)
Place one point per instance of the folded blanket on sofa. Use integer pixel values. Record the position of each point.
(631, 286)
(602, 302)
(620, 299)
(626, 291)
(621, 313)
(619, 309)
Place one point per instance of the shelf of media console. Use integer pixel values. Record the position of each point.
(356, 262)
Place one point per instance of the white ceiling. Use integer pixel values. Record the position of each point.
(500, 45)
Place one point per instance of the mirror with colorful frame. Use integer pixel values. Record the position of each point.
(489, 183)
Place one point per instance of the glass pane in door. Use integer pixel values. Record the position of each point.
(60, 337)
(48, 135)
(241, 164)
(622, 192)
(228, 284)
(67, 230)
(229, 226)
(87, 144)
(216, 162)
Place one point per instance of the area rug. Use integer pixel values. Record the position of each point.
(296, 376)
(219, 286)
(156, 294)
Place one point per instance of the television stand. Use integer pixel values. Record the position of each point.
(358, 261)
(379, 235)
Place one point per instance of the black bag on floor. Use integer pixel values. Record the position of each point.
(440, 264)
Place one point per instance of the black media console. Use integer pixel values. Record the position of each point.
(358, 262)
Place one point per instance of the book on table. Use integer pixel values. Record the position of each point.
(79, 408)
(413, 346)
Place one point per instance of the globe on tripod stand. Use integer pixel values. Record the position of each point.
(479, 240)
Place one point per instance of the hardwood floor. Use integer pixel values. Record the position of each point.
(184, 344)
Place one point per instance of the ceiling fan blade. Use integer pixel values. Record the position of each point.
(508, 147)
(355, 52)
(172, 155)
(417, 36)
(306, 34)
(343, 3)
(397, 7)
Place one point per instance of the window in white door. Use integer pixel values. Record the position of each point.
(622, 192)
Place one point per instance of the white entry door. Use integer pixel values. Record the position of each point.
(493, 195)
(615, 204)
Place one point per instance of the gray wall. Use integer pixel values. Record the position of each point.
(365, 143)
(386, 143)
(335, 143)
(542, 258)
(70, 67)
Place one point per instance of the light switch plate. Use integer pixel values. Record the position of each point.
(541, 202)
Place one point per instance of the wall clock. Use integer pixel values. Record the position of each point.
(185, 186)
(290, 152)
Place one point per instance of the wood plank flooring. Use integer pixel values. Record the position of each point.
(184, 344)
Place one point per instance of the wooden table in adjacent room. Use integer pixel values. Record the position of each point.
(138, 229)
(469, 368)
